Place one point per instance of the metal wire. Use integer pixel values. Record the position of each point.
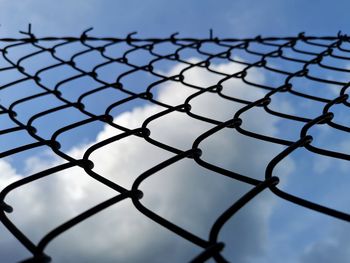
(211, 248)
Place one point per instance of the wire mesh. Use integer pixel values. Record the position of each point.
(262, 49)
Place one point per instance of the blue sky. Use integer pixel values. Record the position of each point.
(190, 18)
(282, 231)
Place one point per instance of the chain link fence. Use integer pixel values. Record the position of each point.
(260, 50)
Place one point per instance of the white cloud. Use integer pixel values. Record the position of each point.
(183, 193)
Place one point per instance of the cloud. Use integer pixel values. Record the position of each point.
(183, 193)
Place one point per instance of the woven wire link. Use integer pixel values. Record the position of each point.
(278, 48)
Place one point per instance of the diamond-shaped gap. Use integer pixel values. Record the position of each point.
(329, 74)
(220, 61)
(228, 67)
(200, 76)
(241, 55)
(168, 67)
(220, 109)
(122, 161)
(88, 61)
(133, 113)
(236, 88)
(16, 52)
(75, 141)
(190, 196)
(188, 53)
(98, 102)
(284, 102)
(140, 57)
(138, 81)
(111, 71)
(28, 108)
(290, 53)
(177, 129)
(331, 61)
(51, 77)
(67, 194)
(261, 47)
(315, 88)
(326, 42)
(97, 43)
(18, 91)
(265, 77)
(117, 50)
(283, 64)
(37, 62)
(75, 88)
(238, 153)
(69, 49)
(304, 46)
(172, 93)
(212, 48)
(57, 120)
(165, 48)
(259, 121)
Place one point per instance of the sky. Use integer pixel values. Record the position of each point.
(268, 229)
(189, 18)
